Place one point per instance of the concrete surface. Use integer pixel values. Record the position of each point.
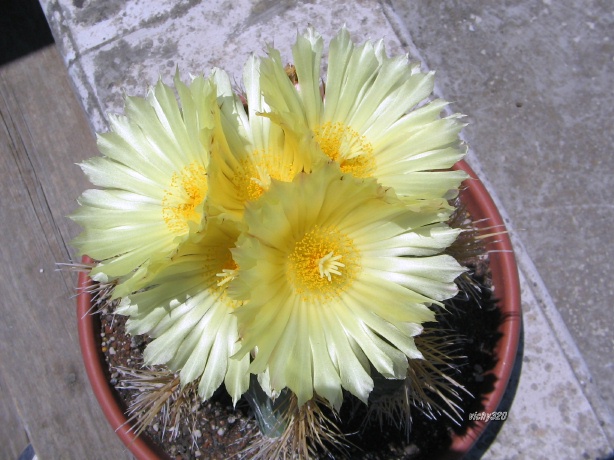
(534, 79)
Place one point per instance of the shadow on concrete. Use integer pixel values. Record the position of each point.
(23, 29)
(493, 427)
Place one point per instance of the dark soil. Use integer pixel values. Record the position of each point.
(213, 430)
(216, 430)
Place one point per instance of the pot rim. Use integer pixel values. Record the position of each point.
(95, 364)
(505, 280)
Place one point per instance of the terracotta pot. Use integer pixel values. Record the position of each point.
(95, 365)
(507, 290)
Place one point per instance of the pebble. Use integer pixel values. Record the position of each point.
(412, 450)
(221, 432)
(111, 351)
(232, 419)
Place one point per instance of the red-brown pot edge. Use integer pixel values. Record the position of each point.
(95, 365)
(506, 289)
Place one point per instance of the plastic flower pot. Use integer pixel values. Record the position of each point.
(506, 289)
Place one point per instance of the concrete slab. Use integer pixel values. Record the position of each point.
(120, 49)
(550, 416)
(116, 47)
(535, 79)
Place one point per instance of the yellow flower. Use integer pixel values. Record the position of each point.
(189, 313)
(154, 179)
(337, 273)
(248, 150)
(373, 120)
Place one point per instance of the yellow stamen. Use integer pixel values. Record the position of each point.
(254, 175)
(352, 151)
(315, 258)
(248, 183)
(186, 191)
(219, 263)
